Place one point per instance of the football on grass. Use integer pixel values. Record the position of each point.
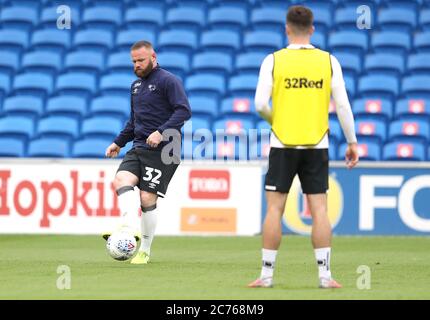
(121, 245)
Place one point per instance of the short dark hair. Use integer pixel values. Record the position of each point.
(141, 44)
(300, 18)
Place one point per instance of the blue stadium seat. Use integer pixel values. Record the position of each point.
(101, 127)
(212, 62)
(231, 18)
(206, 84)
(263, 41)
(346, 18)
(350, 63)
(233, 3)
(403, 4)
(4, 84)
(49, 147)
(175, 62)
(19, 17)
(404, 151)
(416, 86)
(242, 85)
(394, 42)
(76, 83)
(416, 129)
(126, 38)
(109, 3)
(49, 17)
(19, 127)
(319, 4)
(406, 108)
(32, 4)
(249, 62)
(42, 61)
(281, 5)
(322, 19)
(116, 84)
(372, 4)
(422, 42)
(84, 61)
(67, 105)
(197, 122)
(384, 63)
(418, 63)
(234, 125)
(177, 40)
(23, 105)
(236, 105)
(9, 63)
(367, 150)
(348, 41)
(148, 18)
(185, 18)
(51, 39)
(32, 83)
(220, 40)
(377, 108)
(231, 149)
(120, 62)
(58, 127)
(95, 39)
(268, 18)
(335, 130)
(113, 106)
(100, 17)
(90, 148)
(424, 20)
(203, 106)
(371, 128)
(12, 147)
(73, 4)
(13, 40)
(378, 86)
(319, 40)
(399, 19)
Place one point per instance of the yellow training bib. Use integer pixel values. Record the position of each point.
(301, 95)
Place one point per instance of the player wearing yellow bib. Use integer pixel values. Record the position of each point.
(300, 80)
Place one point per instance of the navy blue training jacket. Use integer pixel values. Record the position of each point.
(158, 102)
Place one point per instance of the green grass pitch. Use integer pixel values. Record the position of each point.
(211, 268)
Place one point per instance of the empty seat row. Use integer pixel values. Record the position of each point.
(203, 83)
(207, 61)
(102, 16)
(57, 148)
(187, 41)
(221, 149)
(381, 132)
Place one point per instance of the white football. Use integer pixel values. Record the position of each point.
(121, 245)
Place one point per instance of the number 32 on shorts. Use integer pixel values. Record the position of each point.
(152, 175)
